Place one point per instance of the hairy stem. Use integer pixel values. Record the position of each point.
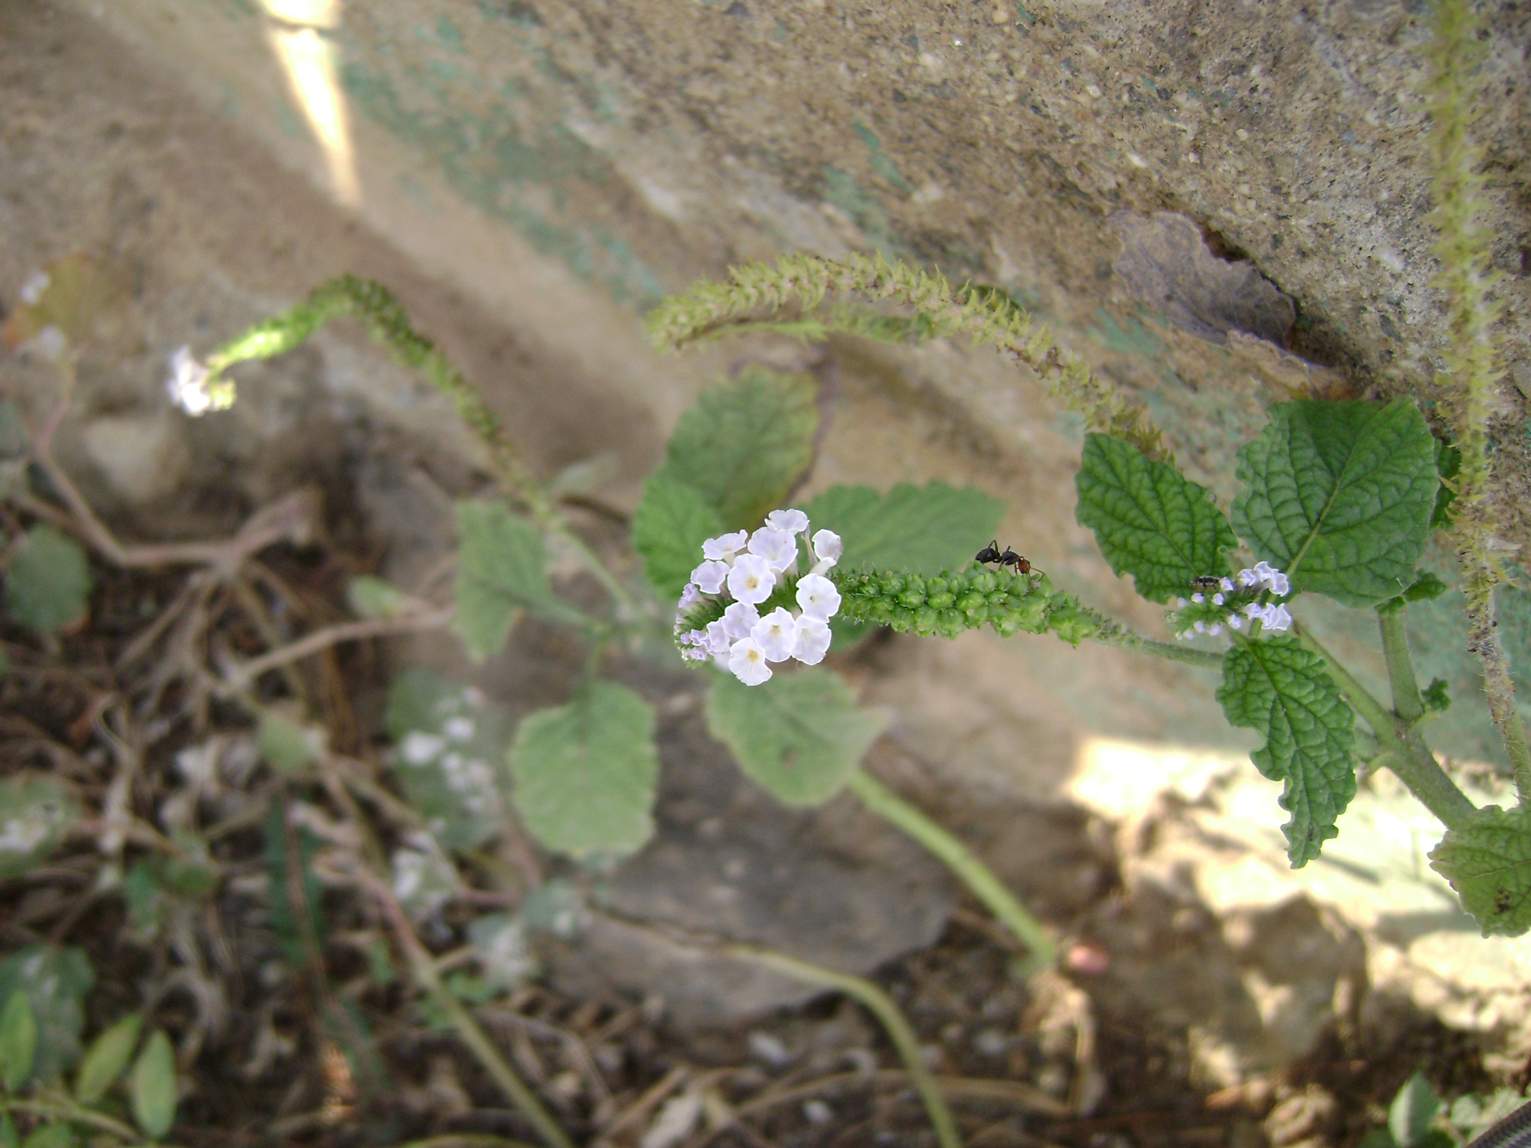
(1115, 634)
(888, 1014)
(388, 323)
(1407, 703)
(957, 857)
(1405, 752)
(1471, 376)
(986, 315)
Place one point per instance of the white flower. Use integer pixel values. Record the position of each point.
(739, 619)
(1277, 618)
(1198, 598)
(32, 290)
(1235, 622)
(709, 576)
(751, 579)
(49, 343)
(776, 635)
(748, 662)
(1278, 584)
(187, 384)
(792, 521)
(718, 637)
(778, 547)
(818, 597)
(1225, 585)
(1217, 599)
(812, 640)
(826, 548)
(724, 546)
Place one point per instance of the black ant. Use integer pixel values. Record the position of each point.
(991, 553)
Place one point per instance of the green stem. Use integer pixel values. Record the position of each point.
(1407, 702)
(1115, 634)
(1408, 755)
(888, 1014)
(388, 323)
(957, 857)
(423, 970)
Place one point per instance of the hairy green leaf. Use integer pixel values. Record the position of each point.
(290, 746)
(1488, 862)
(18, 1040)
(50, 1136)
(1280, 689)
(152, 1086)
(106, 1059)
(503, 948)
(36, 811)
(55, 982)
(372, 597)
(672, 521)
(448, 745)
(1149, 520)
(47, 587)
(1412, 1110)
(585, 773)
(1339, 495)
(746, 443)
(800, 736)
(917, 529)
(501, 570)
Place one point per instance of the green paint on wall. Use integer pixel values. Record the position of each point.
(520, 174)
(449, 34)
(841, 189)
(881, 163)
(1129, 338)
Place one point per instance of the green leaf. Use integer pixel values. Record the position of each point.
(1412, 1110)
(501, 569)
(289, 746)
(746, 443)
(55, 982)
(18, 1041)
(1339, 495)
(106, 1059)
(293, 889)
(9, 1137)
(585, 773)
(917, 529)
(36, 811)
(371, 597)
(670, 525)
(47, 587)
(1280, 689)
(555, 907)
(152, 1086)
(449, 742)
(800, 736)
(504, 952)
(1149, 520)
(1488, 862)
(50, 1136)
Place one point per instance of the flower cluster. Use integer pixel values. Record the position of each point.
(719, 616)
(1235, 603)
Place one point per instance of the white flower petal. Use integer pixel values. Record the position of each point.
(778, 547)
(812, 640)
(709, 576)
(724, 546)
(751, 579)
(827, 547)
(818, 597)
(776, 634)
(792, 521)
(748, 662)
(739, 619)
